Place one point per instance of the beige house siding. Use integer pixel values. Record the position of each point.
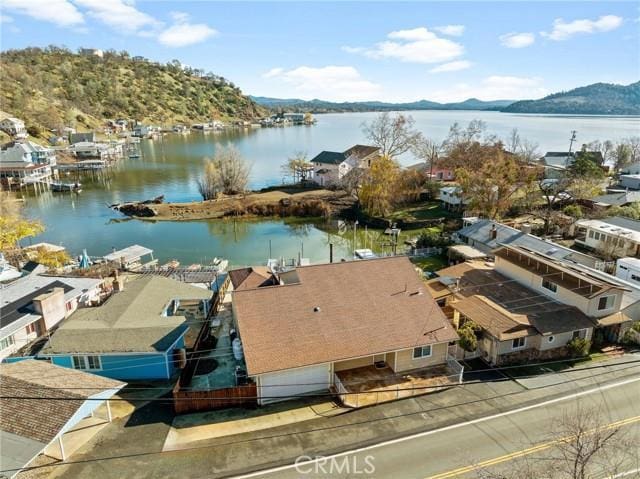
(404, 358)
(563, 295)
(353, 363)
(505, 347)
(560, 339)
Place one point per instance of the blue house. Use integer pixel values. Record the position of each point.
(134, 335)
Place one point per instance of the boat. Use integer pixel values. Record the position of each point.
(173, 264)
(220, 264)
(62, 187)
(364, 254)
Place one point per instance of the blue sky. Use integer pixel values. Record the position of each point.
(442, 51)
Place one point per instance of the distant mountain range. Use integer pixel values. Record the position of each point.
(595, 99)
(322, 106)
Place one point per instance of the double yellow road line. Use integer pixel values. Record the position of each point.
(525, 452)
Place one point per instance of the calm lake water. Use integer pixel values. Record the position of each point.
(171, 167)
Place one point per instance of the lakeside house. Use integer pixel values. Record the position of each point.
(137, 334)
(615, 236)
(349, 327)
(83, 137)
(451, 198)
(329, 167)
(631, 182)
(632, 169)
(628, 269)
(14, 127)
(34, 305)
(529, 305)
(91, 52)
(487, 235)
(555, 163)
(25, 162)
(43, 405)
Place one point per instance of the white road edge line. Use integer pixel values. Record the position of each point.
(446, 428)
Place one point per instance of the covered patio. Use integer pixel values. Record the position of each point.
(371, 385)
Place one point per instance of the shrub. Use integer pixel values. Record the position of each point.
(574, 211)
(429, 239)
(33, 130)
(578, 347)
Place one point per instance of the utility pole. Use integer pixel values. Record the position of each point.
(571, 140)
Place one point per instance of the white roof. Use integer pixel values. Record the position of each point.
(630, 261)
(469, 252)
(628, 229)
(129, 253)
(32, 282)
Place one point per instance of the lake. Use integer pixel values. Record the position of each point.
(172, 165)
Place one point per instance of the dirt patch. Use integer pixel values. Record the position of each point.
(315, 203)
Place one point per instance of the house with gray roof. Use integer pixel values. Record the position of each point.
(35, 304)
(487, 235)
(329, 167)
(134, 335)
(615, 236)
(620, 198)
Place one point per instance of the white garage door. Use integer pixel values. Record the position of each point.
(293, 382)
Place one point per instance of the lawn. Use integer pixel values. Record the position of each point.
(422, 211)
(430, 263)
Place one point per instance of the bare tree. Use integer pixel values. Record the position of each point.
(583, 445)
(298, 167)
(394, 135)
(428, 151)
(226, 173)
(513, 141)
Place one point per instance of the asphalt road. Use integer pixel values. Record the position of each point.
(495, 443)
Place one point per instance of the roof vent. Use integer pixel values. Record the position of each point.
(316, 309)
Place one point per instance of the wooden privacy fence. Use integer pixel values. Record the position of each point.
(185, 401)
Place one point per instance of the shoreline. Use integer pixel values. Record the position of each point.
(274, 203)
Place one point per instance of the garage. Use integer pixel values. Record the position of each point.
(280, 386)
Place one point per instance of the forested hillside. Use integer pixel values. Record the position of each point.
(54, 87)
(595, 99)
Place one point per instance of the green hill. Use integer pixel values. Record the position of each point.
(55, 87)
(595, 99)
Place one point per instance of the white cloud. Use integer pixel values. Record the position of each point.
(452, 30)
(333, 83)
(495, 87)
(418, 45)
(183, 33)
(452, 66)
(563, 30)
(118, 14)
(60, 12)
(517, 40)
(5, 18)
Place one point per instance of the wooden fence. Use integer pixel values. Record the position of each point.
(185, 401)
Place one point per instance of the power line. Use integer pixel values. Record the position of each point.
(276, 436)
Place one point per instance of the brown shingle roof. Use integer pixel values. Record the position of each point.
(364, 308)
(500, 304)
(41, 418)
(252, 277)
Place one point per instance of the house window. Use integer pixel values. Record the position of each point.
(31, 328)
(422, 352)
(606, 302)
(590, 233)
(518, 343)
(597, 235)
(6, 342)
(580, 333)
(553, 287)
(86, 362)
(551, 339)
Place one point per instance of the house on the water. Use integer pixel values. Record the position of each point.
(25, 162)
(137, 334)
(43, 405)
(329, 167)
(350, 327)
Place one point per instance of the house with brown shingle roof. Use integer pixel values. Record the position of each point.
(322, 323)
(41, 402)
(528, 305)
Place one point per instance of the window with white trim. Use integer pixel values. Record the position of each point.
(422, 352)
(550, 285)
(518, 343)
(6, 342)
(90, 363)
(606, 302)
